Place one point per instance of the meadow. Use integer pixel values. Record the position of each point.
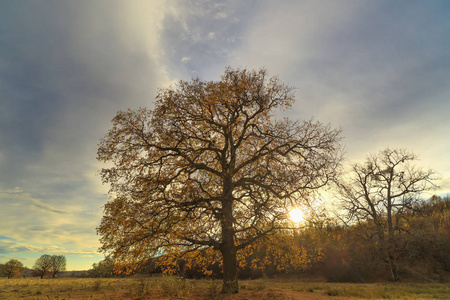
(180, 288)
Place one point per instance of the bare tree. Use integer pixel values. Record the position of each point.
(381, 191)
(209, 167)
(12, 268)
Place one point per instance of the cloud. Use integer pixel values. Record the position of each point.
(68, 226)
(14, 247)
(64, 75)
(207, 32)
(211, 35)
(27, 253)
(17, 195)
(2, 237)
(376, 69)
(185, 59)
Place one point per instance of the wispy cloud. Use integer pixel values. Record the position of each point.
(18, 196)
(13, 247)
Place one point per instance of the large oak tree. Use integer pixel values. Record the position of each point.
(209, 167)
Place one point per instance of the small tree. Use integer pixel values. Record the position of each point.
(13, 268)
(210, 167)
(43, 265)
(380, 192)
(58, 264)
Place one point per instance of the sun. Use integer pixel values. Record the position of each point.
(296, 215)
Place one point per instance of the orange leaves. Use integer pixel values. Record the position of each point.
(168, 264)
(203, 261)
(280, 253)
(206, 146)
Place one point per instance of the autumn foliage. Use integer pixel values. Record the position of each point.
(202, 186)
(329, 248)
(281, 253)
(210, 167)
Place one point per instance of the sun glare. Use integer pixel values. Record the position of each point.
(296, 215)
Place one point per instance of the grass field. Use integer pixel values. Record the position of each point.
(178, 288)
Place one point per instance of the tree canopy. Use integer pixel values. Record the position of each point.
(58, 264)
(12, 268)
(43, 265)
(381, 191)
(210, 167)
(49, 264)
(104, 268)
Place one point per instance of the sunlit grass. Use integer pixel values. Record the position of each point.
(107, 288)
(180, 288)
(379, 290)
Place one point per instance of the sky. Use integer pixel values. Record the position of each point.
(377, 69)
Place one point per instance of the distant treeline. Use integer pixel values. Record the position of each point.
(45, 266)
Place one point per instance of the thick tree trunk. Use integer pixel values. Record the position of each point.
(228, 248)
(230, 279)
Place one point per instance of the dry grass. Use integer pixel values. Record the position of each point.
(179, 288)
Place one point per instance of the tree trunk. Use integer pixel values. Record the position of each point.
(394, 272)
(230, 279)
(391, 239)
(393, 266)
(228, 248)
(390, 260)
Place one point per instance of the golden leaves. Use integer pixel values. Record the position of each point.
(281, 253)
(208, 144)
